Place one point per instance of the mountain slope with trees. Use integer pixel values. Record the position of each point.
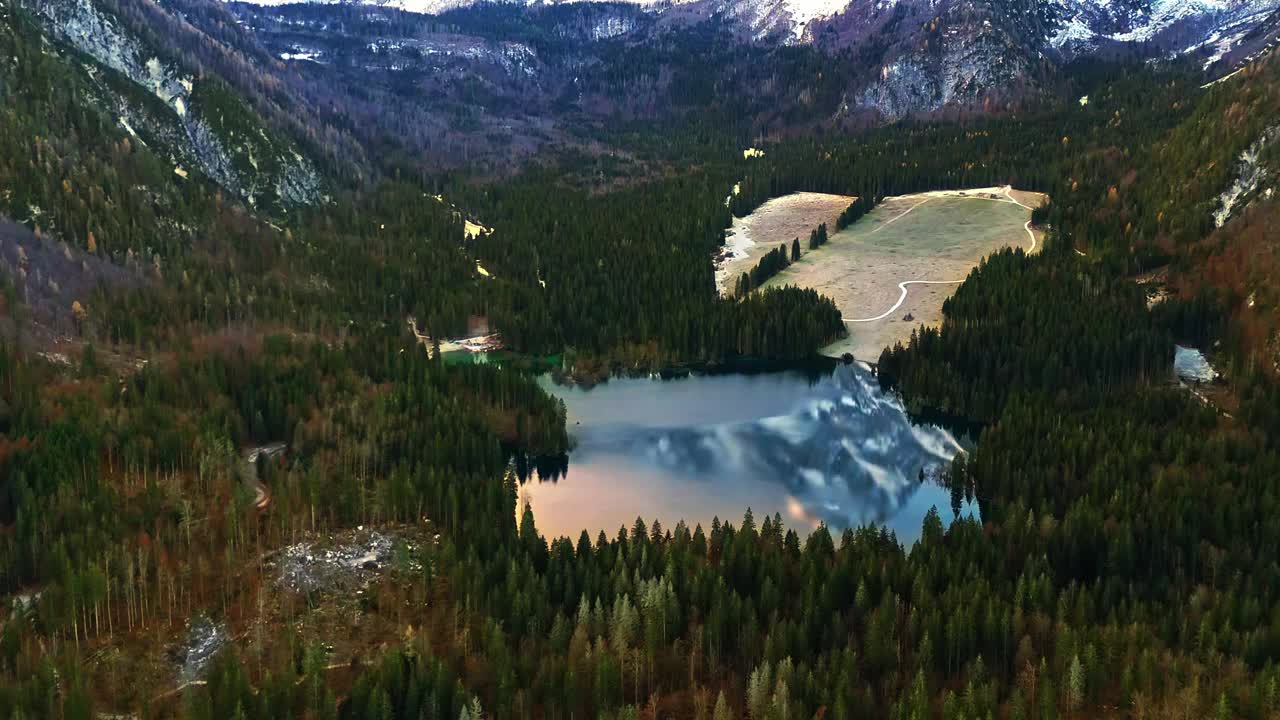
(1127, 559)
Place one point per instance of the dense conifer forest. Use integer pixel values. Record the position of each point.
(1127, 559)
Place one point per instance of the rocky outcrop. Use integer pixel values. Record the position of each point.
(1252, 175)
(248, 161)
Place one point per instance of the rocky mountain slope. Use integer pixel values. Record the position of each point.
(477, 89)
(199, 123)
(913, 55)
(266, 99)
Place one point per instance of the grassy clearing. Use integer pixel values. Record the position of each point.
(778, 221)
(936, 236)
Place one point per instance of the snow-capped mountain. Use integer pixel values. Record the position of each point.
(1217, 26)
(437, 7)
(782, 19)
(899, 56)
(1076, 26)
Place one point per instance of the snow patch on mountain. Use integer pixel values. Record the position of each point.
(1164, 13)
(1230, 35)
(308, 56)
(929, 53)
(783, 20)
(802, 12)
(1086, 24)
(612, 27)
(1220, 46)
(1073, 33)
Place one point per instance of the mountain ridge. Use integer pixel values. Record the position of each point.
(1079, 25)
(920, 56)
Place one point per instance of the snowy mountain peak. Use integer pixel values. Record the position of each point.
(785, 19)
(1177, 25)
(1078, 26)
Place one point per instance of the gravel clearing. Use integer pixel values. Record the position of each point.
(204, 639)
(349, 564)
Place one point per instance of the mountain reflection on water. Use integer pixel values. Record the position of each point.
(835, 449)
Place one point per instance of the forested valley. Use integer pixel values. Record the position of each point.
(156, 328)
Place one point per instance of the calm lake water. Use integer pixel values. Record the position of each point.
(834, 449)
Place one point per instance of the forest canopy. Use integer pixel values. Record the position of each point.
(195, 392)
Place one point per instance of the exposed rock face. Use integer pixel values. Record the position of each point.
(97, 34)
(1252, 175)
(924, 56)
(776, 21)
(611, 27)
(960, 74)
(200, 126)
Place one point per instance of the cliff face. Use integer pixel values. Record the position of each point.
(198, 123)
(950, 53)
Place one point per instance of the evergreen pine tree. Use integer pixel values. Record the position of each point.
(721, 711)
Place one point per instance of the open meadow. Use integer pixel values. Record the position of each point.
(777, 221)
(890, 271)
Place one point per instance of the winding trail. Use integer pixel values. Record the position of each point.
(902, 286)
(249, 473)
(897, 217)
(902, 298)
(1026, 225)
